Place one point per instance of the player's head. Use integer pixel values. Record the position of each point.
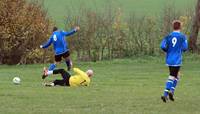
(55, 29)
(89, 73)
(176, 25)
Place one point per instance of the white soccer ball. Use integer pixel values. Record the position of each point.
(16, 80)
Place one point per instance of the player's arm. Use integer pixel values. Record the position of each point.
(184, 44)
(78, 71)
(47, 44)
(69, 33)
(164, 45)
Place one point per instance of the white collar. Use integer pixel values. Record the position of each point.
(177, 31)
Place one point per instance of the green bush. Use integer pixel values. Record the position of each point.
(108, 35)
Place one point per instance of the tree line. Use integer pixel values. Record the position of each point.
(103, 35)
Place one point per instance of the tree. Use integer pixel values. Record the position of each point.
(195, 29)
(23, 26)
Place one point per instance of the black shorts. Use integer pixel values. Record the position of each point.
(173, 70)
(58, 58)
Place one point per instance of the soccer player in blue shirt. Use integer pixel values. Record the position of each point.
(174, 44)
(60, 45)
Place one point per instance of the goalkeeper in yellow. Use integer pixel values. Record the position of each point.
(79, 79)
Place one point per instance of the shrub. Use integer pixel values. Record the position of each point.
(23, 26)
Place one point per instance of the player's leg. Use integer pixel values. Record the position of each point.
(175, 73)
(58, 58)
(51, 68)
(67, 60)
(59, 82)
(175, 83)
(65, 78)
(55, 82)
(170, 83)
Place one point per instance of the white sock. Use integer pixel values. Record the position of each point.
(52, 84)
(50, 72)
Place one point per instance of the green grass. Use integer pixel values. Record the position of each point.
(57, 9)
(126, 86)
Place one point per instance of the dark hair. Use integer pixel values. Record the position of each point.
(176, 25)
(55, 29)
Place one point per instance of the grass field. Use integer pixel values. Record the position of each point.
(126, 86)
(57, 9)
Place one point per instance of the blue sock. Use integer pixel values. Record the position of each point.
(174, 85)
(52, 67)
(168, 86)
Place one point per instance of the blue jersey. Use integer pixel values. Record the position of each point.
(174, 44)
(59, 43)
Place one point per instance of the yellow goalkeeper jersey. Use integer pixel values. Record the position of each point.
(79, 79)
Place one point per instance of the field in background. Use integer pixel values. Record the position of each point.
(126, 86)
(57, 9)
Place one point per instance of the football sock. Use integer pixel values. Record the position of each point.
(50, 72)
(168, 85)
(52, 67)
(174, 85)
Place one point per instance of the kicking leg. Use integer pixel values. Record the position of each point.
(52, 66)
(57, 58)
(48, 72)
(65, 75)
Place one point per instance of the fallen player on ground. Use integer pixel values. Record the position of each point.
(80, 78)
